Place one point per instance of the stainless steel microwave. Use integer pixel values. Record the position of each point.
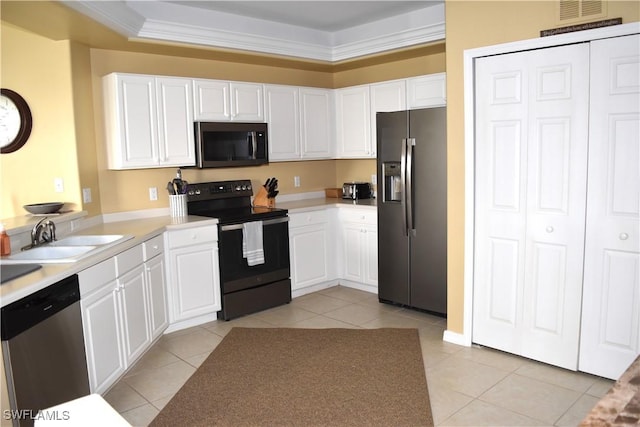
(223, 144)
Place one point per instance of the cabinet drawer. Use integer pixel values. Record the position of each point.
(128, 259)
(153, 247)
(192, 236)
(362, 216)
(95, 277)
(307, 218)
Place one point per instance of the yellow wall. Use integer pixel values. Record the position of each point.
(39, 70)
(472, 24)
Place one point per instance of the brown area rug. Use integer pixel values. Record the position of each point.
(306, 377)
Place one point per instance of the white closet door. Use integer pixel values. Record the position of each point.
(611, 315)
(531, 157)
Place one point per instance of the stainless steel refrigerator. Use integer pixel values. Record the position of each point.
(412, 208)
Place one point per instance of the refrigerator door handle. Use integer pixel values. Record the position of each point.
(403, 179)
(411, 142)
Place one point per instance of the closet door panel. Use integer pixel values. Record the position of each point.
(610, 338)
(556, 199)
(531, 155)
(500, 202)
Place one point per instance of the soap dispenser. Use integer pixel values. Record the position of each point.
(5, 242)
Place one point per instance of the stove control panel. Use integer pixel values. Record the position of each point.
(219, 190)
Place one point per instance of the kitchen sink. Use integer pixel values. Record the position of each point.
(43, 254)
(67, 249)
(88, 240)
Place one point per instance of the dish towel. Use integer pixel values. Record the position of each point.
(252, 248)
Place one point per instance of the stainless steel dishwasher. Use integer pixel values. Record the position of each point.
(43, 348)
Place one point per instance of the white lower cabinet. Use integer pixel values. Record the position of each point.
(102, 325)
(310, 247)
(194, 275)
(334, 245)
(359, 246)
(156, 285)
(119, 299)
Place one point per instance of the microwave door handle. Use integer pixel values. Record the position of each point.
(253, 141)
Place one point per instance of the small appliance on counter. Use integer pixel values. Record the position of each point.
(357, 190)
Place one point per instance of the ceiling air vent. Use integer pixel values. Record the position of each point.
(580, 10)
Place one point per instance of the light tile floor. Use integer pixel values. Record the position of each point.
(467, 386)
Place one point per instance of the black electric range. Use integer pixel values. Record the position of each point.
(246, 286)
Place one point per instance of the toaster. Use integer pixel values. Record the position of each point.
(357, 190)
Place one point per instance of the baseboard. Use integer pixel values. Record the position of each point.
(195, 321)
(361, 286)
(313, 288)
(456, 338)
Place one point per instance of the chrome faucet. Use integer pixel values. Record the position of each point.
(44, 230)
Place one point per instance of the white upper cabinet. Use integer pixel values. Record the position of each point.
(148, 121)
(212, 101)
(300, 122)
(353, 122)
(282, 110)
(317, 125)
(218, 100)
(427, 91)
(386, 97)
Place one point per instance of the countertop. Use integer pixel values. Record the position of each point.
(142, 229)
(316, 203)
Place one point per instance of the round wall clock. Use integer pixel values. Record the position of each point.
(15, 121)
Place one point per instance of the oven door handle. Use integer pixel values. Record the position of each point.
(266, 222)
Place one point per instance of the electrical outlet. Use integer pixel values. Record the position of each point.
(374, 179)
(153, 193)
(58, 185)
(86, 195)
(296, 181)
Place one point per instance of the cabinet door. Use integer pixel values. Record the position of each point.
(194, 281)
(283, 115)
(316, 126)
(386, 97)
(370, 246)
(157, 293)
(308, 246)
(246, 102)
(427, 91)
(352, 252)
(103, 337)
(353, 122)
(610, 336)
(175, 122)
(134, 309)
(530, 202)
(131, 121)
(212, 100)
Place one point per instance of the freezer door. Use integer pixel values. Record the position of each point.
(428, 247)
(393, 243)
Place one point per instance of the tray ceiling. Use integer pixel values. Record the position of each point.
(319, 30)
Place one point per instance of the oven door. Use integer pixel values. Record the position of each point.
(236, 274)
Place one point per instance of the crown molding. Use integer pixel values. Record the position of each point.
(166, 22)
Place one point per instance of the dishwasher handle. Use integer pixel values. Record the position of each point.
(27, 312)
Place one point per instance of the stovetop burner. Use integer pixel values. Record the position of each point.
(229, 201)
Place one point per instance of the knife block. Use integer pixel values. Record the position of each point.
(261, 199)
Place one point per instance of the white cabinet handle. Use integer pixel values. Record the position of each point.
(623, 236)
(155, 247)
(549, 229)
